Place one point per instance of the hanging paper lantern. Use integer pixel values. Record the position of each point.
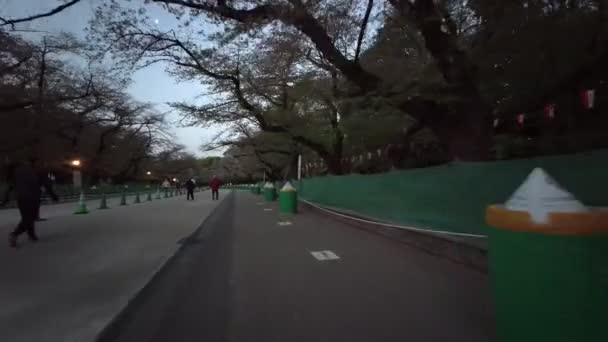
(521, 118)
(369, 156)
(588, 98)
(496, 122)
(550, 110)
(379, 153)
(361, 157)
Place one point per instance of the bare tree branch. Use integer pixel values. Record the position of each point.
(368, 11)
(299, 17)
(54, 11)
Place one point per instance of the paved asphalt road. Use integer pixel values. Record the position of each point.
(245, 277)
(85, 268)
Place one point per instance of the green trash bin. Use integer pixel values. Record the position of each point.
(550, 285)
(288, 199)
(548, 265)
(259, 188)
(269, 192)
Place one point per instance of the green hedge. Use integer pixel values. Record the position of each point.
(454, 197)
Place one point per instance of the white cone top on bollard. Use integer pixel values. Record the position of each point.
(540, 195)
(288, 187)
(269, 185)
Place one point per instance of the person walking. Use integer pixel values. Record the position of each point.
(215, 184)
(28, 180)
(190, 189)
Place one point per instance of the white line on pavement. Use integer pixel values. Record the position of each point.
(324, 255)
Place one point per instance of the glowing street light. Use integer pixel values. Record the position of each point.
(149, 173)
(76, 174)
(175, 179)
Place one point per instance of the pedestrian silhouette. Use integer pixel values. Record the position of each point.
(27, 181)
(190, 189)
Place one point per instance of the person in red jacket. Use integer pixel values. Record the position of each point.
(215, 184)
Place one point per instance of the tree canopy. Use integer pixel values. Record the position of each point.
(422, 81)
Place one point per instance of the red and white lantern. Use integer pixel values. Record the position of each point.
(588, 98)
(550, 110)
(521, 118)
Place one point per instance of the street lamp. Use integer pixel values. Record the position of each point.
(149, 173)
(175, 179)
(76, 174)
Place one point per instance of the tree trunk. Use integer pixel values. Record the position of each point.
(467, 136)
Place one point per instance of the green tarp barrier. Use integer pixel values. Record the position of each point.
(454, 197)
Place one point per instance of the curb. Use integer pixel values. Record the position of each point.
(466, 251)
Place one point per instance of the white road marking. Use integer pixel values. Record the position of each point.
(260, 203)
(325, 255)
(285, 223)
(319, 256)
(331, 255)
(267, 209)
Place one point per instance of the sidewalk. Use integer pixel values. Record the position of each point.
(254, 275)
(68, 286)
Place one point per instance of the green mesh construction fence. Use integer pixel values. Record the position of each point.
(454, 197)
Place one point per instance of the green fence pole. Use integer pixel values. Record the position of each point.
(103, 203)
(123, 198)
(82, 206)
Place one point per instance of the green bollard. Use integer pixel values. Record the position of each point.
(288, 199)
(123, 198)
(137, 199)
(548, 265)
(82, 206)
(269, 192)
(103, 203)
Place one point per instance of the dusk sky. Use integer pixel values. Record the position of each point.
(151, 85)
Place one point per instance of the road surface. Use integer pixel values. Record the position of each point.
(250, 274)
(85, 268)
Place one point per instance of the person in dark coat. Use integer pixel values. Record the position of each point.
(190, 188)
(27, 181)
(215, 184)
